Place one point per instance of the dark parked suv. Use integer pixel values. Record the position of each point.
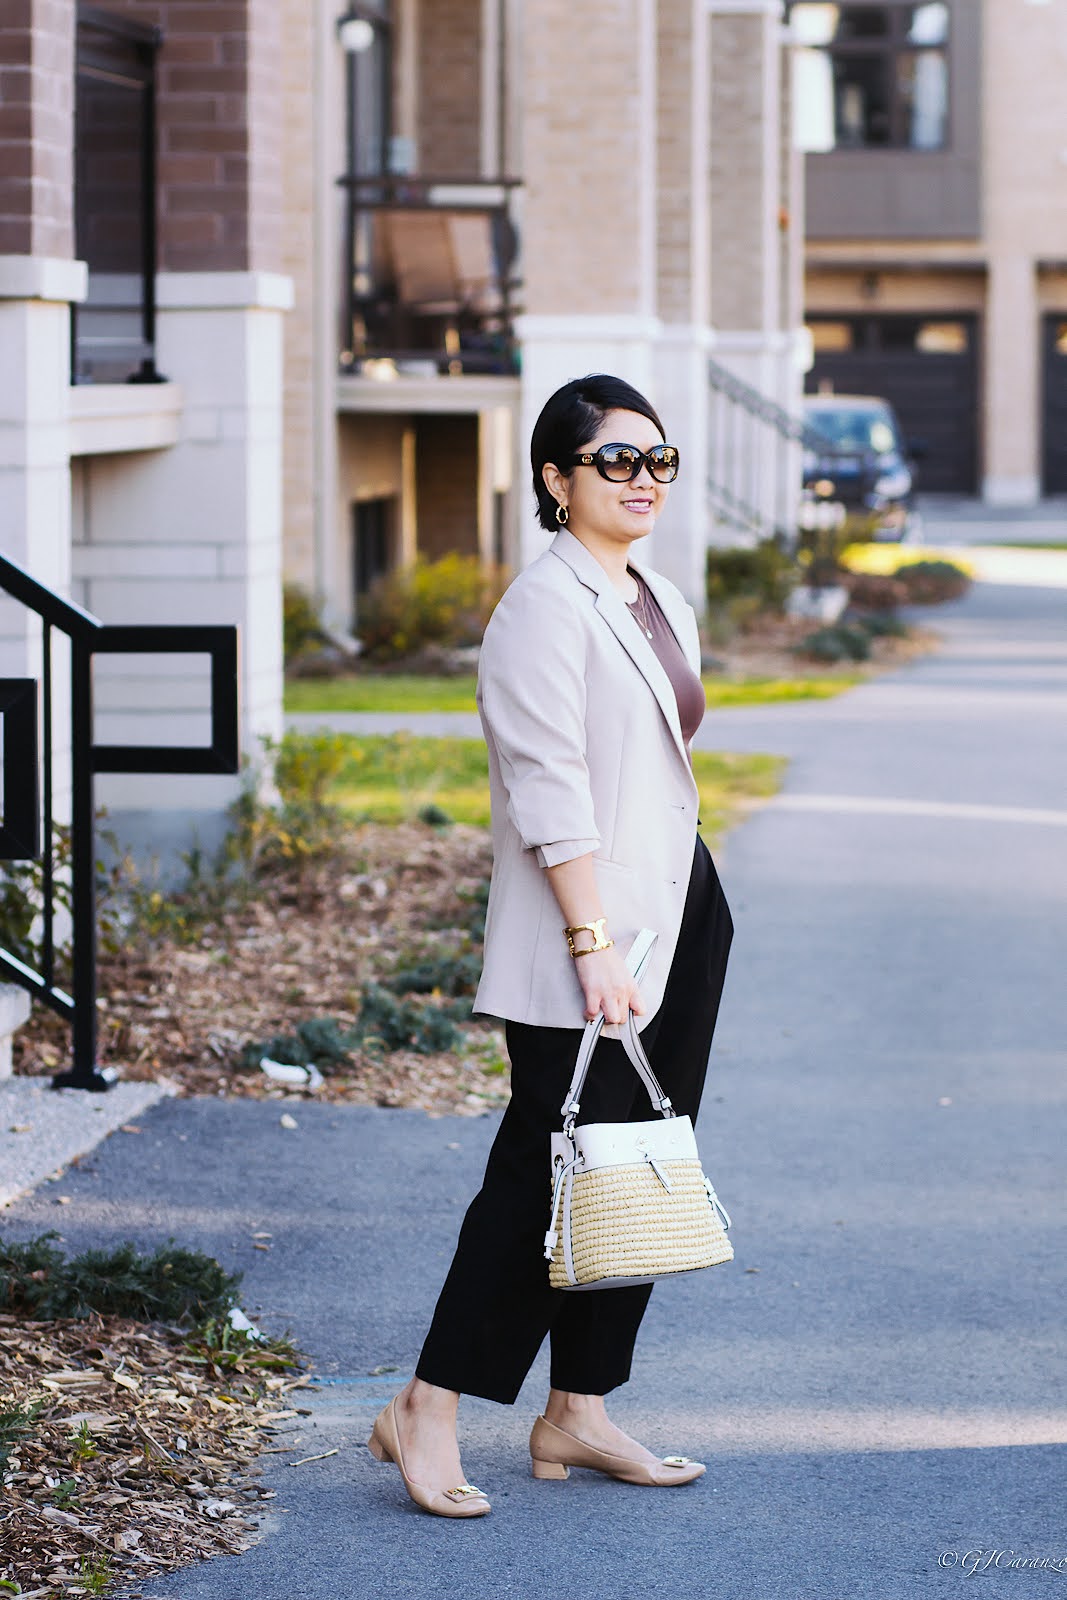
(860, 462)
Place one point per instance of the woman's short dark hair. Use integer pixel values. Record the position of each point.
(569, 419)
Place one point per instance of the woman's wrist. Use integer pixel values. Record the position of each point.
(593, 936)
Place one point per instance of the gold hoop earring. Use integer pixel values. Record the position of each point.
(563, 515)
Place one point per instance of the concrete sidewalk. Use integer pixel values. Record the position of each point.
(877, 1382)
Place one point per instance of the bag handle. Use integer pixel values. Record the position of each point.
(640, 953)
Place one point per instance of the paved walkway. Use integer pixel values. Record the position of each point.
(877, 1382)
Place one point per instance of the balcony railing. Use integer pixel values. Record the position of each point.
(429, 274)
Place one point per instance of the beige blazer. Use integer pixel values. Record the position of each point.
(585, 754)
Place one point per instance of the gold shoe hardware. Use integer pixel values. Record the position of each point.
(676, 1461)
(462, 1492)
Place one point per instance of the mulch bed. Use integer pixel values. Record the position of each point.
(305, 946)
(140, 1460)
(312, 937)
(768, 650)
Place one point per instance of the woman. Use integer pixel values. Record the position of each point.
(589, 694)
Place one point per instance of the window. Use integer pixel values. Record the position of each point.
(365, 35)
(871, 76)
(943, 339)
(832, 336)
(113, 331)
(897, 333)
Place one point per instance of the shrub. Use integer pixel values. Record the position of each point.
(323, 1042)
(473, 922)
(843, 641)
(928, 583)
(304, 765)
(873, 592)
(445, 603)
(884, 625)
(764, 574)
(21, 899)
(433, 816)
(301, 623)
(449, 974)
(395, 1024)
(303, 827)
(170, 1285)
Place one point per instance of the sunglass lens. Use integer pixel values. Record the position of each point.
(663, 462)
(618, 462)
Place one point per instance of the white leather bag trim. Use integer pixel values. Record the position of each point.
(612, 1144)
(568, 1255)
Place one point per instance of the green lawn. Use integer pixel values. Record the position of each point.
(1032, 544)
(767, 691)
(392, 778)
(380, 692)
(384, 692)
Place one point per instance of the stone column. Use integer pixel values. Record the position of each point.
(193, 534)
(754, 273)
(589, 206)
(1012, 475)
(745, 157)
(683, 245)
(38, 281)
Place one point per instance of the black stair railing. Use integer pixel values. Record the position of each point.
(27, 830)
(755, 458)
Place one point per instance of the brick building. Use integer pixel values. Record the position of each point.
(536, 190)
(424, 213)
(141, 321)
(937, 231)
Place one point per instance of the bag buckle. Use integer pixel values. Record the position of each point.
(723, 1214)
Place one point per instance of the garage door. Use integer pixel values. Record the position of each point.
(927, 368)
(1054, 409)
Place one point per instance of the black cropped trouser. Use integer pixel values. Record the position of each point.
(496, 1304)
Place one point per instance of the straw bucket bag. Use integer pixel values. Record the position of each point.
(630, 1201)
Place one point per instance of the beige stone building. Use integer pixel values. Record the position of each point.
(530, 190)
(937, 228)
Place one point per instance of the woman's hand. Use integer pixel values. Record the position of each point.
(608, 986)
(606, 980)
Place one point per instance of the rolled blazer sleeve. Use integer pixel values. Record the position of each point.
(532, 700)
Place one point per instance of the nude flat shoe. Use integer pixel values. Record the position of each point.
(553, 1452)
(384, 1445)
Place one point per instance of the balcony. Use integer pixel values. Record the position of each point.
(429, 277)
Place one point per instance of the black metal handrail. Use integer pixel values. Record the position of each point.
(396, 307)
(752, 436)
(22, 840)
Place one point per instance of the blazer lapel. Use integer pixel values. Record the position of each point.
(612, 607)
